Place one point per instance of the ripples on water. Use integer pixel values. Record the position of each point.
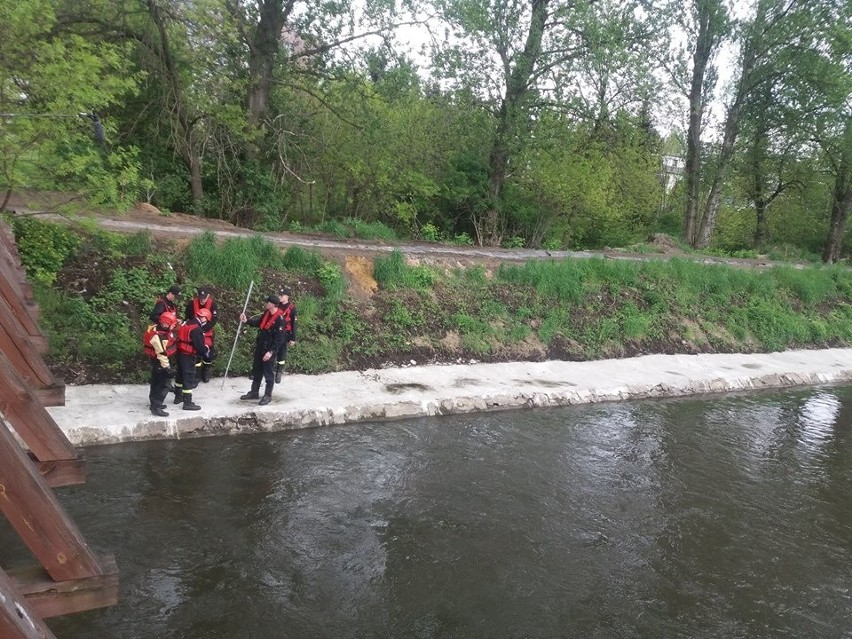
(693, 518)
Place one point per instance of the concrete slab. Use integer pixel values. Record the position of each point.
(102, 414)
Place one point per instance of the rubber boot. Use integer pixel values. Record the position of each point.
(264, 400)
(178, 396)
(205, 373)
(250, 395)
(279, 371)
(188, 404)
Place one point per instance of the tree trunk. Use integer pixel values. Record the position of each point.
(704, 46)
(842, 200)
(182, 124)
(512, 120)
(711, 210)
(264, 45)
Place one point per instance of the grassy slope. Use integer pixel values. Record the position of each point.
(96, 290)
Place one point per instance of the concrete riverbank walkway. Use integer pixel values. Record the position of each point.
(102, 414)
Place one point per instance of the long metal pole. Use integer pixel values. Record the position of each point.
(237, 336)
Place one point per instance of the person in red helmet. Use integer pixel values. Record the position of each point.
(203, 299)
(190, 346)
(159, 343)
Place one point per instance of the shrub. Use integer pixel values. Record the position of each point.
(430, 232)
(44, 248)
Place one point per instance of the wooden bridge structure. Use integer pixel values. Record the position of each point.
(35, 458)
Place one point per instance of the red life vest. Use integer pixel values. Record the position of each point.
(166, 338)
(208, 330)
(170, 306)
(268, 319)
(288, 321)
(197, 305)
(184, 339)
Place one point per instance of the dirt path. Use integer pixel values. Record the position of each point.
(172, 225)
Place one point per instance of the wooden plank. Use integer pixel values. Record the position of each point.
(62, 472)
(22, 354)
(30, 419)
(25, 314)
(48, 598)
(39, 518)
(17, 618)
(51, 395)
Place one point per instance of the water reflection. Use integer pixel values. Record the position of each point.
(690, 518)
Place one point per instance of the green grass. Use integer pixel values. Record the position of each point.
(589, 308)
(392, 272)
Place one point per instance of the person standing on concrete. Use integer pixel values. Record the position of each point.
(166, 302)
(288, 309)
(203, 299)
(159, 343)
(270, 336)
(190, 346)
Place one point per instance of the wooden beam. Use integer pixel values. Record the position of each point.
(25, 314)
(51, 395)
(21, 353)
(39, 518)
(62, 472)
(29, 418)
(48, 598)
(17, 619)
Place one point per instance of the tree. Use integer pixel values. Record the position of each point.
(54, 88)
(514, 53)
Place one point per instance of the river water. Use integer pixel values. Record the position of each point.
(722, 517)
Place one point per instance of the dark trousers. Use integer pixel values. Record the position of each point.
(159, 384)
(262, 370)
(185, 379)
(282, 353)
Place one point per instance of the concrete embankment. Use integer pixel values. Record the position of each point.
(103, 414)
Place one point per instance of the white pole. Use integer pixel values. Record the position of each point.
(237, 336)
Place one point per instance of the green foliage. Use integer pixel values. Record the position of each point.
(44, 247)
(50, 75)
(233, 264)
(561, 280)
(401, 318)
(140, 243)
(298, 259)
(331, 277)
(393, 272)
(462, 239)
(430, 232)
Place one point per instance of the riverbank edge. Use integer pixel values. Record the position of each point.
(108, 414)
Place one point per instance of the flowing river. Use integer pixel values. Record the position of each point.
(720, 517)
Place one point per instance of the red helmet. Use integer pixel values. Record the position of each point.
(168, 319)
(204, 313)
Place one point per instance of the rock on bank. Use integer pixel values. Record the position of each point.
(103, 414)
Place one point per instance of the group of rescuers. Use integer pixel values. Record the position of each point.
(185, 350)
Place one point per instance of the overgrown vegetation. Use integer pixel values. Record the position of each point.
(96, 290)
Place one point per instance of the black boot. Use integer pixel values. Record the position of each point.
(264, 400)
(178, 397)
(158, 411)
(205, 373)
(279, 371)
(188, 404)
(250, 395)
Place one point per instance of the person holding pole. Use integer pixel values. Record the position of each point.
(270, 336)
